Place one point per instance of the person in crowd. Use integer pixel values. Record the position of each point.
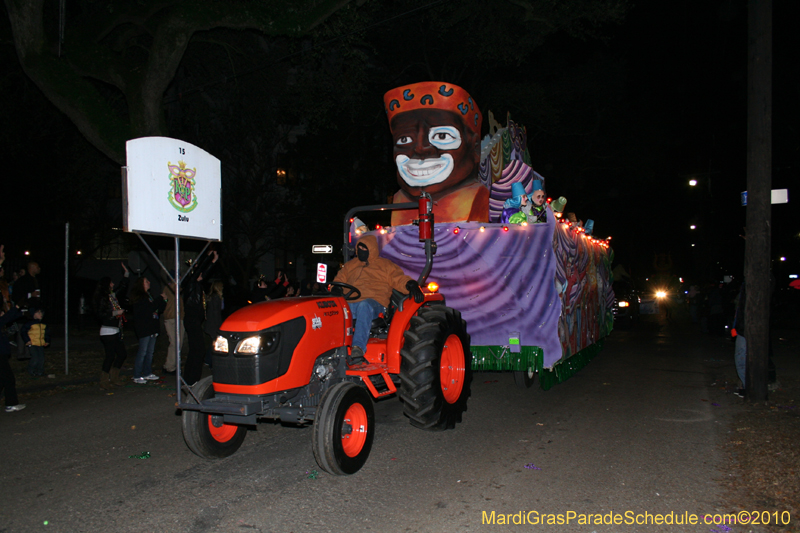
(11, 282)
(8, 383)
(27, 287)
(214, 306)
(169, 325)
(16, 276)
(740, 349)
(36, 336)
(5, 293)
(277, 289)
(111, 315)
(29, 296)
(195, 303)
(261, 292)
(375, 277)
(306, 287)
(318, 289)
(739, 330)
(146, 325)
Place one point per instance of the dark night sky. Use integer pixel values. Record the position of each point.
(677, 110)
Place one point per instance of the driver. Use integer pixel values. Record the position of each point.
(375, 277)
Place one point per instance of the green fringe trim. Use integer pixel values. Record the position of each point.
(487, 358)
(566, 368)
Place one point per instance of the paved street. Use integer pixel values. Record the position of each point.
(636, 430)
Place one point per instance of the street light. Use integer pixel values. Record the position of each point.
(692, 182)
(692, 227)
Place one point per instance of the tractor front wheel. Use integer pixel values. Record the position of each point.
(435, 370)
(207, 435)
(344, 429)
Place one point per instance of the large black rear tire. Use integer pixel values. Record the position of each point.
(436, 368)
(202, 436)
(344, 429)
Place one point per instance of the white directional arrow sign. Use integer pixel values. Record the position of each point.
(322, 249)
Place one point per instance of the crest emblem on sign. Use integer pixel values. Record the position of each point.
(182, 183)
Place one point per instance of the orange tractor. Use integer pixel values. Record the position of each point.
(285, 360)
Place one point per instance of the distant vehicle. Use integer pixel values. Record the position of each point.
(626, 304)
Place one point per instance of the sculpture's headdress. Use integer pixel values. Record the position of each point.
(434, 95)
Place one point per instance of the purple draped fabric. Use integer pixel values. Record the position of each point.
(511, 280)
(501, 281)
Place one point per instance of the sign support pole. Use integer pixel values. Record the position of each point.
(177, 281)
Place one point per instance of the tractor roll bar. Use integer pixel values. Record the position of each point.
(425, 223)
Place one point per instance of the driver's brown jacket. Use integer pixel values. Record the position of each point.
(376, 278)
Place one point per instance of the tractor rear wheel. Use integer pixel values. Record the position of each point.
(207, 435)
(344, 429)
(435, 369)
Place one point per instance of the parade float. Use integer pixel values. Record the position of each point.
(537, 298)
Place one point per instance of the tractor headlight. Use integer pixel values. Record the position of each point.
(221, 344)
(623, 303)
(249, 346)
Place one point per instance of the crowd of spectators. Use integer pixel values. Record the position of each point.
(204, 304)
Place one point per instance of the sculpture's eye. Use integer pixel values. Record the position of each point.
(444, 137)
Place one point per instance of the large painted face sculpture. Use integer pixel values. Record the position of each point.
(436, 131)
(433, 150)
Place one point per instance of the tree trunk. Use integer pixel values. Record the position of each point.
(759, 184)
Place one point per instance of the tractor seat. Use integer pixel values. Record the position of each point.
(381, 324)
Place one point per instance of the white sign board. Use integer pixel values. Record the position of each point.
(171, 187)
(322, 273)
(322, 249)
(780, 196)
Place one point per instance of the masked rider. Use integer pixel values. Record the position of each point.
(375, 277)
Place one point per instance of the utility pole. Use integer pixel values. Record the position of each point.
(759, 185)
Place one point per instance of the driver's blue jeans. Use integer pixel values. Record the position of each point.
(364, 312)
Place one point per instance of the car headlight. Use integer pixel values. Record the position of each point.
(249, 346)
(661, 294)
(221, 344)
(623, 303)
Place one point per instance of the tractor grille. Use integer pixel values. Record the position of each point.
(270, 363)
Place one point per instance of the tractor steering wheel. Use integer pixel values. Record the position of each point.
(352, 292)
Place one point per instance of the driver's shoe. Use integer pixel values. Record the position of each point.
(356, 357)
